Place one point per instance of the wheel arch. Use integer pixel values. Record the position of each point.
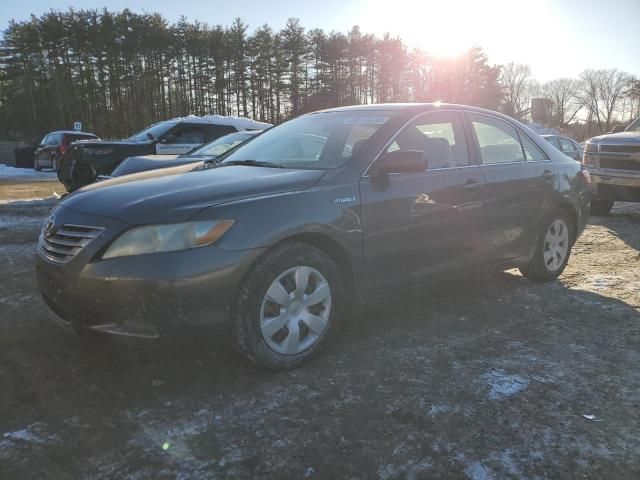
(333, 249)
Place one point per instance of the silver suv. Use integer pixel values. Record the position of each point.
(613, 160)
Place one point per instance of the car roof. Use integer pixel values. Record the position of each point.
(398, 107)
(72, 132)
(241, 123)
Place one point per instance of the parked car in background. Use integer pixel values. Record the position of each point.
(83, 162)
(208, 152)
(566, 145)
(335, 207)
(613, 160)
(54, 145)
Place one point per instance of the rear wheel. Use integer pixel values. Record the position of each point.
(601, 207)
(288, 306)
(36, 165)
(552, 250)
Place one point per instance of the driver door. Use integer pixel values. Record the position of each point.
(181, 140)
(421, 225)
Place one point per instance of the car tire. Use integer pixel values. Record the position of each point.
(36, 166)
(54, 164)
(553, 248)
(601, 207)
(284, 333)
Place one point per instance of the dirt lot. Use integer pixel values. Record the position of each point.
(485, 378)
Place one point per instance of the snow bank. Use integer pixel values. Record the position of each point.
(7, 172)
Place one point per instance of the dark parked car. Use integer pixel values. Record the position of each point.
(83, 163)
(206, 153)
(54, 145)
(613, 160)
(329, 209)
(566, 145)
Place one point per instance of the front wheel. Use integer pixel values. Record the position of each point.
(288, 306)
(601, 207)
(552, 250)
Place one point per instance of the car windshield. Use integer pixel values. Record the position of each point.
(221, 145)
(634, 127)
(317, 141)
(157, 130)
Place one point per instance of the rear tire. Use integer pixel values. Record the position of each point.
(36, 166)
(288, 307)
(601, 207)
(553, 249)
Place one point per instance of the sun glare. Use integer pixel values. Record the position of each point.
(450, 27)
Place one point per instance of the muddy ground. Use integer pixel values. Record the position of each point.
(485, 378)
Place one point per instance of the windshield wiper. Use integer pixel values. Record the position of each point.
(251, 163)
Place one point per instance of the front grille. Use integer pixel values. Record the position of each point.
(65, 242)
(619, 148)
(620, 164)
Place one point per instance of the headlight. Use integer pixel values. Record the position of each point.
(592, 148)
(168, 238)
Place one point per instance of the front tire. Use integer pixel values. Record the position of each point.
(601, 207)
(288, 306)
(553, 249)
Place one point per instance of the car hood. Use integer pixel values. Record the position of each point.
(622, 137)
(176, 194)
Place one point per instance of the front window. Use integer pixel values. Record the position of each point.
(221, 145)
(317, 141)
(634, 127)
(153, 132)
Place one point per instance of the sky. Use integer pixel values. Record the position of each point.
(557, 38)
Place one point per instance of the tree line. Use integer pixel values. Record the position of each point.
(117, 72)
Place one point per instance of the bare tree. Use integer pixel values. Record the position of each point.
(564, 93)
(601, 94)
(517, 89)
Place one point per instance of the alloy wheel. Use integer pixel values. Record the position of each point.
(295, 310)
(556, 245)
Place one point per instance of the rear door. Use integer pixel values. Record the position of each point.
(422, 224)
(520, 185)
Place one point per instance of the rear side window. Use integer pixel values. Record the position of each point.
(498, 140)
(439, 135)
(531, 151)
(54, 139)
(216, 131)
(73, 137)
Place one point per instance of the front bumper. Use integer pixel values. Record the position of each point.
(614, 184)
(146, 295)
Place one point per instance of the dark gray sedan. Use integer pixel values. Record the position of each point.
(321, 213)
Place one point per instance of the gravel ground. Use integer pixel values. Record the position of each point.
(489, 377)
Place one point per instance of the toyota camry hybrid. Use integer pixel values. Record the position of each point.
(317, 215)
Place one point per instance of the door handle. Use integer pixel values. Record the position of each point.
(472, 186)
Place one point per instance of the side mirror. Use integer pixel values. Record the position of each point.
(401, 161)
(170, 139)
(618, 129)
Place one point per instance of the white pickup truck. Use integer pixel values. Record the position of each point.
(613, 160)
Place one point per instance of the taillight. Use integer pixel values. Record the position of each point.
(586, 176)
(62, 149)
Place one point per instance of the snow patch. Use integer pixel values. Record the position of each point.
(502, 385)
(16, 173)
(30, 201)
(34, 433)
(477, 471)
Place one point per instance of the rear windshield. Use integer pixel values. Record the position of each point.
(80, 136)
(317, 141)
